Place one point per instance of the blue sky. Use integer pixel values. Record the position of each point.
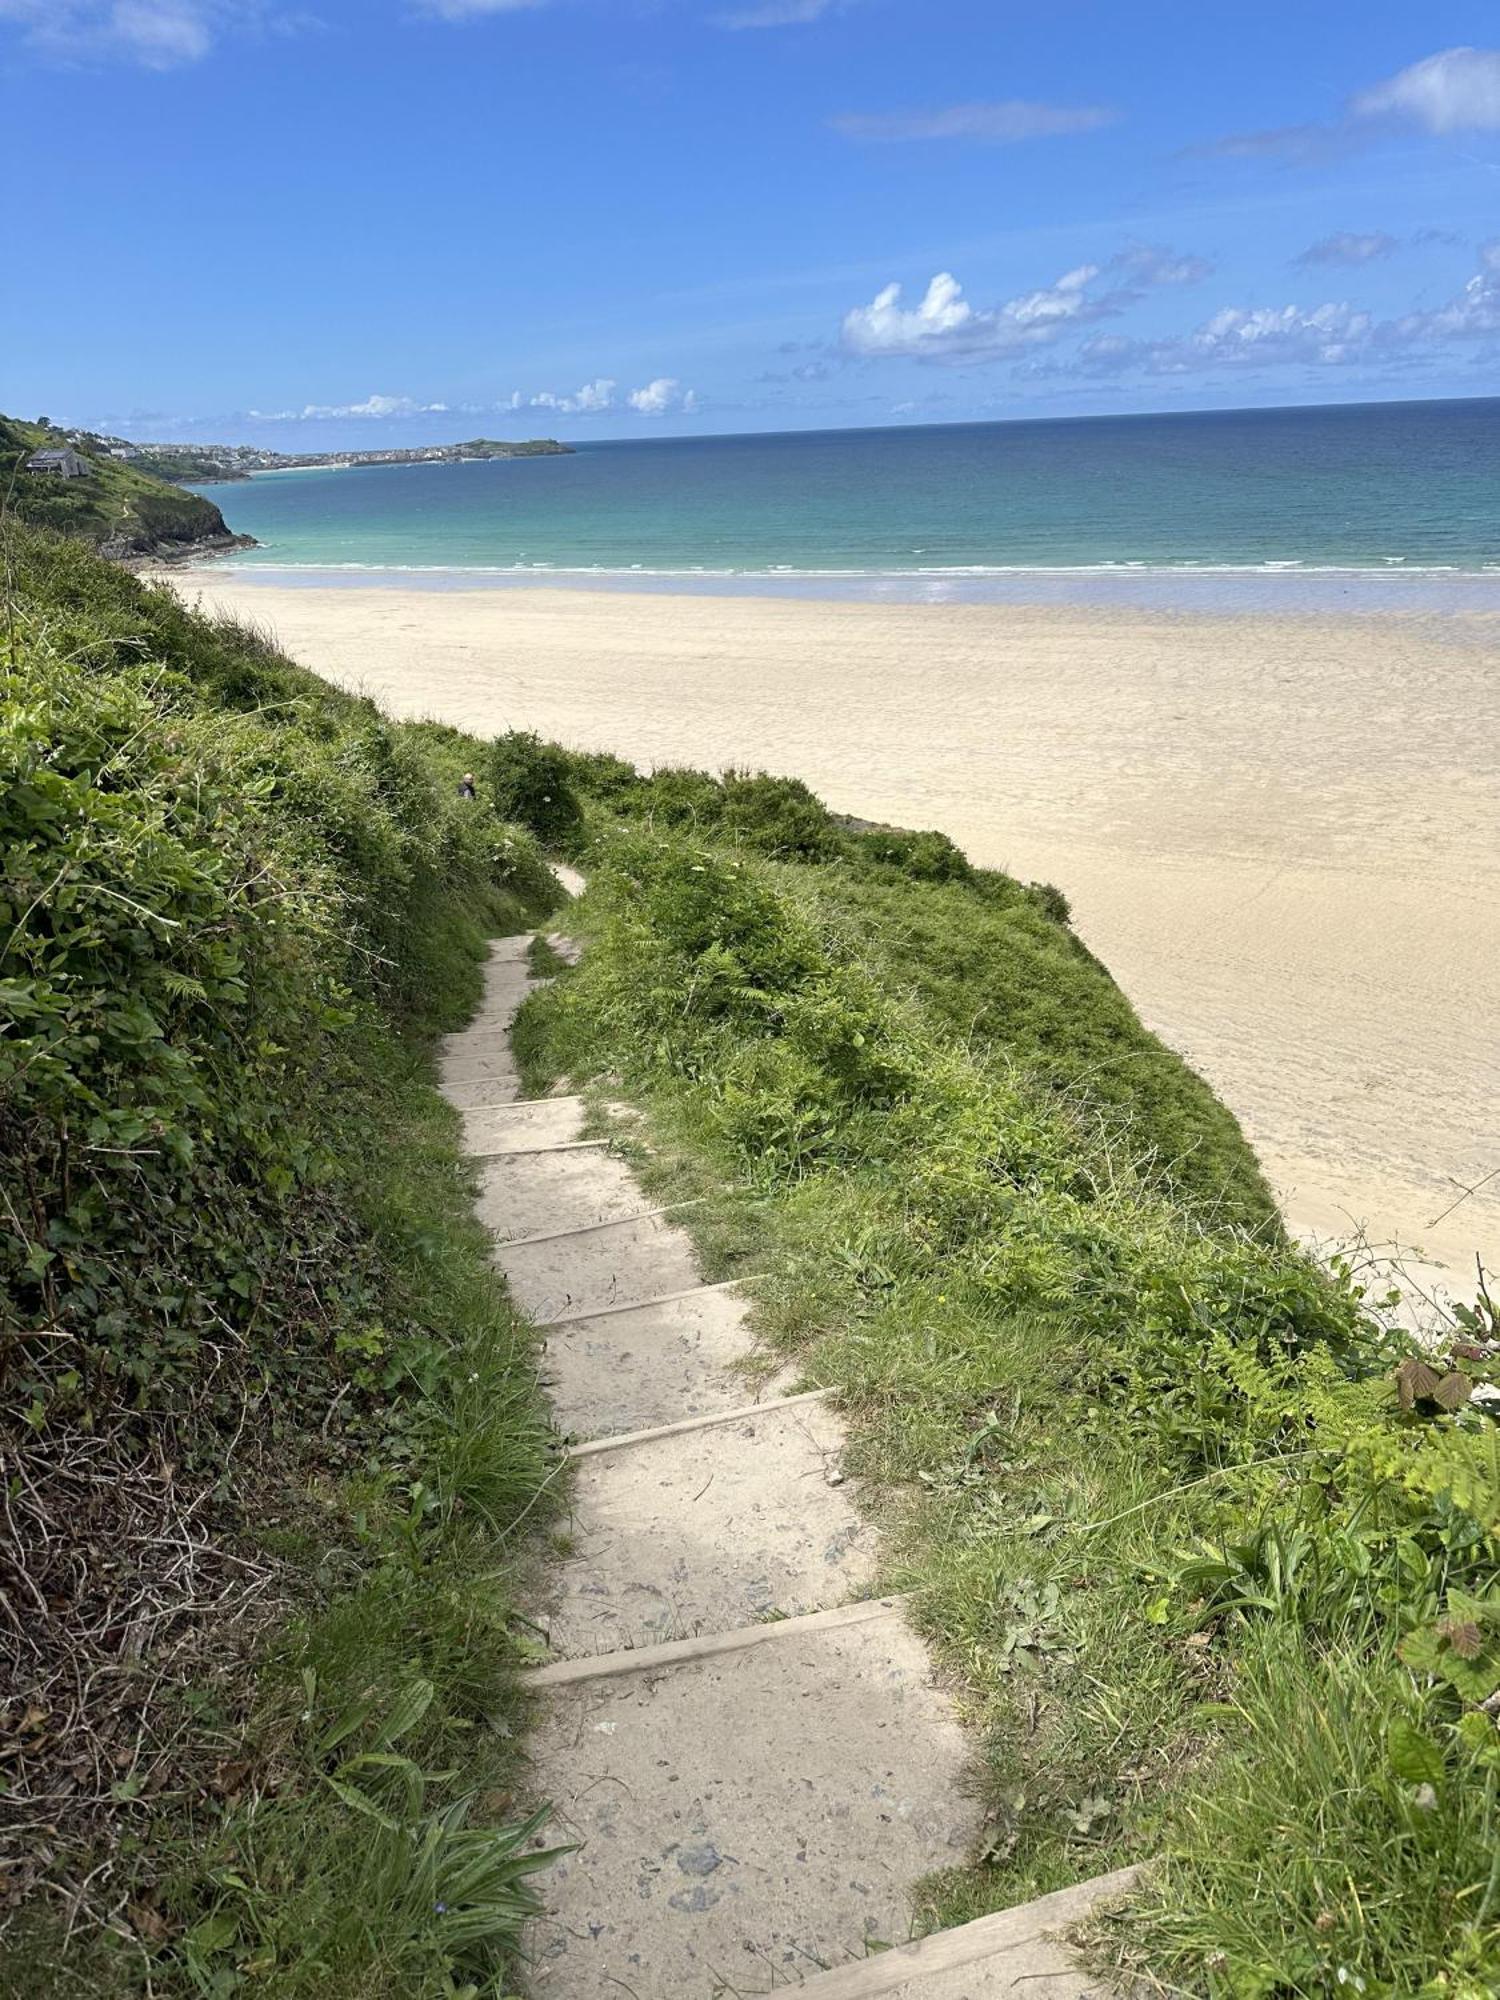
(402, 220)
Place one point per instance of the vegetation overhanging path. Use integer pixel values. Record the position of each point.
(745, 1746)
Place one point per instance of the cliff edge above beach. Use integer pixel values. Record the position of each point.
(49, 480)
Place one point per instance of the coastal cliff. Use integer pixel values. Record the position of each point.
(116, 507)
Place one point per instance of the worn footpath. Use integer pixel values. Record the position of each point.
(745, 1749)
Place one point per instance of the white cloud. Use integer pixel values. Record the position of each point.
(157, 34)
(1457, 90)
(1293, 145)
(1234, 337)
(1325, 334)
(1331, 335)
(1002, 124)
(1473, 315)
(473, 10)
(1154, 264)
(596, 395)
(663, 396)
(779, 13)
(1349, 248)
(372, 406)
(945, 327)
(162, 33)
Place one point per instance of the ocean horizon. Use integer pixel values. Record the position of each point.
(1386, 504)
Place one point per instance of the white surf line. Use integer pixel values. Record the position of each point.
(680, 1652)
(609, 1222)
(645, 1305)
(770, 1407)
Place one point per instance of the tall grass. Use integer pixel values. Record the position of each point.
(270, 1429)
(1214, 1597)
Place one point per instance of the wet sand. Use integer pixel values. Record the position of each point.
(1282, 834)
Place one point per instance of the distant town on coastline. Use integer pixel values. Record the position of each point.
(127, 499)
(203, 465)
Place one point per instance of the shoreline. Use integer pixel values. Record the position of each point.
(1274, 830)
(1274, 590)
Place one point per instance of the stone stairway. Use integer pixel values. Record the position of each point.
(746, 1751)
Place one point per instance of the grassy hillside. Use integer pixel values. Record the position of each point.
(990, 960)
(1214, 1594)
(1212, 1589)
(118, 507)
(268, 1421)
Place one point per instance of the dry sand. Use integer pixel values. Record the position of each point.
(1282, 834)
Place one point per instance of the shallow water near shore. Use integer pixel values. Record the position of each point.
(1283, 592)
(956, 511)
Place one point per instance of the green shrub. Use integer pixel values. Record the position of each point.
(925, 857)
(532, 785)
(677, 797)
(1051, 902)
(773, 816)
(599, 775)
(1213, 1596)
(777, 816)
(986, 963)
(252, 1330)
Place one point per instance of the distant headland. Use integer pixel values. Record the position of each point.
(126, 500)
(210, 464)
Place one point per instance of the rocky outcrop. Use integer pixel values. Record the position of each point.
(137, 547)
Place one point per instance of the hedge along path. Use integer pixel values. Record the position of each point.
(747, 1749)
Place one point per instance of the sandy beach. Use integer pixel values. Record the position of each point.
(1282, 834)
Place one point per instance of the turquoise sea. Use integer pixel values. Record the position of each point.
(1395, 503)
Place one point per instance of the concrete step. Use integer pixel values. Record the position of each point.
(517, 1125)
(589, 1269)
(748, 1809)
(525, 1194)
(507, 973)
(511, 950)
(484, 1092)
(708, 1527)
(1016, 1954)
(460, 1067)
(506, 987)
(648, 1365)
(477, 1039)
(499, 1094)
(505, 980)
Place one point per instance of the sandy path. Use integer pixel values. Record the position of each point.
(1282, 834)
